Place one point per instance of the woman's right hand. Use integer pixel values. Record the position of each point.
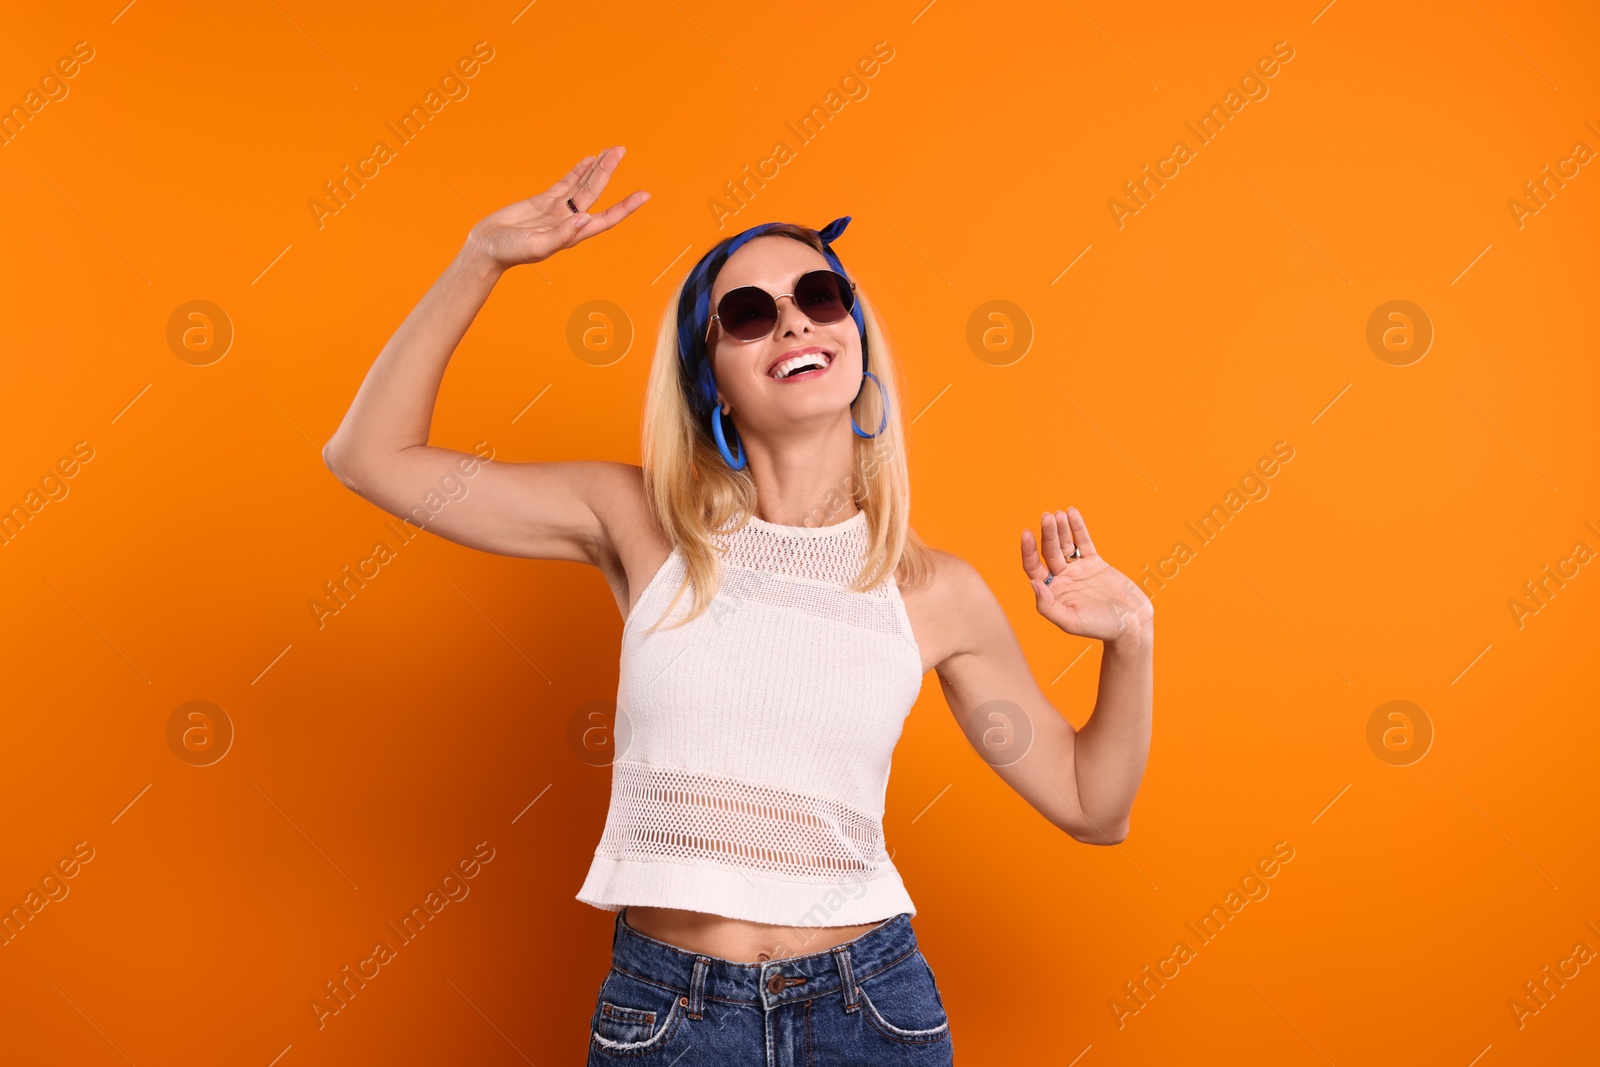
(535, 229)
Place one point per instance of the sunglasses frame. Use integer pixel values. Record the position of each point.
(848, 313)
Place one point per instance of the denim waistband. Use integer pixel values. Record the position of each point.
(700, 977)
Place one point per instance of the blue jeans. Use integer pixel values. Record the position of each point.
(872, 1001)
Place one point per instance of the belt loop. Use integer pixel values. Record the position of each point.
(841, 955)
(697, 985)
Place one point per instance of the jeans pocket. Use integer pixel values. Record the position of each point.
(903, 1002)
(634, 1016)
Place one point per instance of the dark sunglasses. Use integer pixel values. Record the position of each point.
(749, 313)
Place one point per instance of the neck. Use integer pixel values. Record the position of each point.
(807, 478)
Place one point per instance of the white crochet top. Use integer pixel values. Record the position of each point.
(753, 743)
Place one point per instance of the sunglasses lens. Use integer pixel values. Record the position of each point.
(748, 313)
(824, 296)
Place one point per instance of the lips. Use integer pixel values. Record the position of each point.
(796, 357)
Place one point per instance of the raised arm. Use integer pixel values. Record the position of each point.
(381, 452)
(1083, 781)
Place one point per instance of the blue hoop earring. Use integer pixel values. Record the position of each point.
(722, 442)
(882, 422)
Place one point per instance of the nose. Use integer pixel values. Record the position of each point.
(790, 313)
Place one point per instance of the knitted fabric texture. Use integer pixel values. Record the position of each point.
(754, 743)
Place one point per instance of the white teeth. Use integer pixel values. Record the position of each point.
(817, 359)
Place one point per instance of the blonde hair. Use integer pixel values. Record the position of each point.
(693, 492)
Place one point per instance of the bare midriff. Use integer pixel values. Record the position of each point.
(738, 940)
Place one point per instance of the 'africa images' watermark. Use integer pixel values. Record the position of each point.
(812, 123)
(412, 123)
(53, 888)
(1254, 487)
(336, 996)
(450, 486)
(1542, 588)
(1254, 87)
(52, 88)
(1253, 887)
(1538, 996)
(1541, 190)
(53, 488)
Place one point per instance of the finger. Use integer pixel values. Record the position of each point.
(1032, 565)
(1080, 533)
(604, 220)
(589, 187)
(571, 178)
(564, 233)
(554, 199)
(1068, 542)
(1054, 558)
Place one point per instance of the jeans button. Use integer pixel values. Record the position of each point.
(775, 984)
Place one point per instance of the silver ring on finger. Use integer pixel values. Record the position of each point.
(1075, 553)
(1050, 579)
(571, 205)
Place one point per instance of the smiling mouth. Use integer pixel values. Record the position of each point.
(811, 364)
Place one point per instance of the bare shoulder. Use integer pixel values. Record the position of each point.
(949, 611)
(953, 577)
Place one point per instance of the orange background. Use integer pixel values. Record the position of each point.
(1226, 315)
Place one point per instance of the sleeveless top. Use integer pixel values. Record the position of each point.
(753, 743)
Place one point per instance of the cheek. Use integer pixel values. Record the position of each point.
(848, 381)
(739, 373)
(848, 344)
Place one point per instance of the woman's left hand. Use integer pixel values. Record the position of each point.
(1087, 597)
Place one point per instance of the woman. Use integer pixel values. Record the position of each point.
(779, 617)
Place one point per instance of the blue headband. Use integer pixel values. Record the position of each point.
(694, 311)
